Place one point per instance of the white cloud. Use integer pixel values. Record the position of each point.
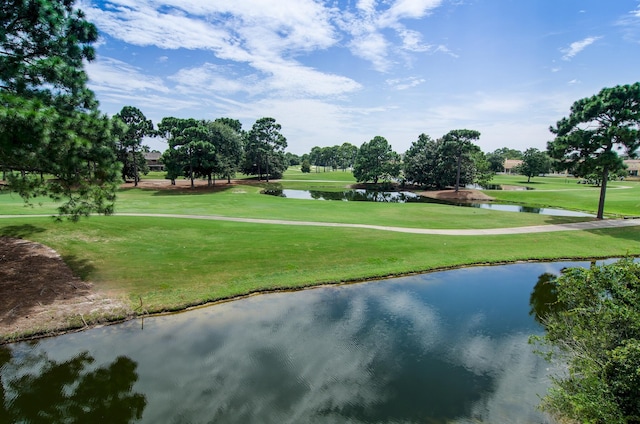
(368, 23)
(405, 83)
(107, 74)
(577, 47)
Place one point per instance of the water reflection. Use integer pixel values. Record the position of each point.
(356, 195)
(448, 347)
(36, 389)
(409, 197)
(544, 297)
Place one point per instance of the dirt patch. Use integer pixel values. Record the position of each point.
(199, 185)
(461, 196)
(39, 294)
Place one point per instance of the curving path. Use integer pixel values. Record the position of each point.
(587, 225)
(576, 226)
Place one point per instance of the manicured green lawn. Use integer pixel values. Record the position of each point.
(170, 263)
(622, 198)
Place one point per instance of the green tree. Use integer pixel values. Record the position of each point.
(534, 162)
(421, 162)
(190, 149)
(41, 390)
(265, 150)
(53, 139)
(596, 333)
(434, 164)
(305, 167)
(376, 160)
(129, 148)
(227, 139)
(497, 157)
(347, 153)
(586, 140)
(459, 143)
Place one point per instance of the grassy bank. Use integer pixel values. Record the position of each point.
(171, 263)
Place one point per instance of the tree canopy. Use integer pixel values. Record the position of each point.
(53, 139)
(129, 148)
(441, 163)
(586, 141)
(592, 322)
(534, 162)
(264, 150)
(459, 143)
(375, 161)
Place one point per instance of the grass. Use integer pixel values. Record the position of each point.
(622, 197)
(171, 263)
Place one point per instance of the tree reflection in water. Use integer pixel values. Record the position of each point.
(67, 392)
(544, 297)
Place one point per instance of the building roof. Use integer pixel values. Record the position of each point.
(152, 155)
(511, 163)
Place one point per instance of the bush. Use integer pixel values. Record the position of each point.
(596, 334)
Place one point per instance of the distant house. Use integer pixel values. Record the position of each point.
(154, 161)
(510, 164)
(633, 167)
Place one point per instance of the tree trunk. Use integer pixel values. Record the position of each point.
(135, 168)
(458, 173)
(603, 191)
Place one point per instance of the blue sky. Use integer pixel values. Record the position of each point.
(345, 71)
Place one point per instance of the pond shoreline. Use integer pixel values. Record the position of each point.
(74, 321)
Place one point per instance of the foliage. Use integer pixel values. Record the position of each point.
(190, 151)
(306, 166)
(200, 148)
(227, 139)
(534, 162)
(264, 150)
(421, 162)
(434, 164)
(497, 157)
(129, 148)
(585, 141)
(376, 160)
(41, 390)
(596, 333)
(53, 140)
(459, 143)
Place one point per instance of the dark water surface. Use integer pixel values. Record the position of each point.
(445, 347)
(362, 195)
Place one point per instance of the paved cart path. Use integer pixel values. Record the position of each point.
(576, 226)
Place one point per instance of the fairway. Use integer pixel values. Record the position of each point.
(166, 263)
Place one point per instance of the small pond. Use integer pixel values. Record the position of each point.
(445, 347)
(410, 197)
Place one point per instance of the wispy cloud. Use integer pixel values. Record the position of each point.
(366, 26)
(577, 47)
(405, 83)
(107, 74)
(630, 24)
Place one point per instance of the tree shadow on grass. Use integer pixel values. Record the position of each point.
(20, 231)
(80, 267)
(631, 234)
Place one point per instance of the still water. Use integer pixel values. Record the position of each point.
(363, 195)
(445, 347)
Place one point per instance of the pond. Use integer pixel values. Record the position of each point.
(410, 197)
(440, 347)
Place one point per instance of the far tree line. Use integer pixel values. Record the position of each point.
(221, 148)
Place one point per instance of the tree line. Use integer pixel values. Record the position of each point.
(55, 142)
